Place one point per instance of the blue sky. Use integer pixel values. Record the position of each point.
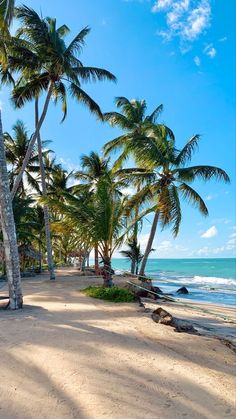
(176, 52)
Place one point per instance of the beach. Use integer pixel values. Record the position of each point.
(66, 355)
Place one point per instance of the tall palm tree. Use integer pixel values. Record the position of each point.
(48, 65)
(171, 182)
(6, 211)
(137, 126)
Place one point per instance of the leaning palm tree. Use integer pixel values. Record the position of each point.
(6, 211)
(47, 64)
(171, 182)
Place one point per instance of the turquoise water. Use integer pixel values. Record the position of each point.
(209, 280)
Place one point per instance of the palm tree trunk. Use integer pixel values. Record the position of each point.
(134, 263)
(44, 193)
(149, 243)
(32, 142)
(9, 233)
(96, 265)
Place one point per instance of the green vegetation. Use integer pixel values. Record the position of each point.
(114, 294)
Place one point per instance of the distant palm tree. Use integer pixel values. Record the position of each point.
(134, 254)
(171, 179)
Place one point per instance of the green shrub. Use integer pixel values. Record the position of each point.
(115, 294)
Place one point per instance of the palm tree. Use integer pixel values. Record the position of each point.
(137, 126)
(48, 65)
(171, 179)
(134, 122)
(134, 254)
(16, 148)
(6, 211)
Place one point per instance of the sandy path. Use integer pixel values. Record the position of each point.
(69, 356)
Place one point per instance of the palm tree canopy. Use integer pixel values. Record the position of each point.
(41, 55)
(16, 147)
(170, 178)
(137, 127)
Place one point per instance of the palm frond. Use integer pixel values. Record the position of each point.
(187, 151)
(189, 174)
(193, 198)
(82, 97)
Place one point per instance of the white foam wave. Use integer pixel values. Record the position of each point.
(212, 280)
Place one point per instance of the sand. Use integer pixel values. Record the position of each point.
(66, 355)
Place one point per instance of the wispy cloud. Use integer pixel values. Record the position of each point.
(185, 19)
(211, 232)
(210, 51)
(211, 196)
(223, 39)
(197, 61)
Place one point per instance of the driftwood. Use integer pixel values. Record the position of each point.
(163, 317)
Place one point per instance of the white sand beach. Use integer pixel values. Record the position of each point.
(66, 355)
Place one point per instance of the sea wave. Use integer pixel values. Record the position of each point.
(197, 280)
(213, 280)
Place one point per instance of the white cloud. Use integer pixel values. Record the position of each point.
(197, 61)
(164, 245)
(211, 232)
(128, 191)
(232, 235)
(185, 19)
(210, 51)
(161, 5)
(211, 196)
(224, 39)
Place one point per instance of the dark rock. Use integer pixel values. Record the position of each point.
(182, 290)
(182, 326)
(162, 316)
(141, 293)
(157, 290)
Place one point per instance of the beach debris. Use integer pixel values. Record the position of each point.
(182, 290)
(164, 317)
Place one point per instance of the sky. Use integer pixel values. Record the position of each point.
(179, 53)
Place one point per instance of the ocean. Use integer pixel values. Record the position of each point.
(207, 280)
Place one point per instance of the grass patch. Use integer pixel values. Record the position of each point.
(114, 294)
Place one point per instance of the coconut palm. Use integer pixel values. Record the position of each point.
(134, 122)
(6, 211)
(131, 119)
(171, 182)
(51, 66)
(16, 147)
